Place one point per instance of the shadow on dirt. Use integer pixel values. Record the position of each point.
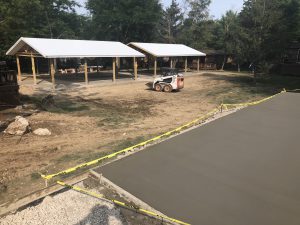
(266, 84)
(107, 112)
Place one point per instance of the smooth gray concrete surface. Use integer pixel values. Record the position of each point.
(242, 169)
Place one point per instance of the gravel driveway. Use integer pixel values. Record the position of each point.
(69, 207)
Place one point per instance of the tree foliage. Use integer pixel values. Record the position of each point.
(124, 20)
(197, 27)
(270, 26)
(198, 10)
(259, 33)
(37, 18)
(172, 22)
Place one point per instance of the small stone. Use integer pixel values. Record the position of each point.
(42, 132)
(19, 127)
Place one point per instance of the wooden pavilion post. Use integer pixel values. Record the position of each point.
(185, 65)
(37, 66)
(135, 66)
(86, 72)
(198, 64)
(33, 69)
(52, 72)
(155, 66)
(114, 69)
(19, 69)
(171, 62)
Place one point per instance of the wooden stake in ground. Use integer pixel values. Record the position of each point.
(52, 71)
(114, 69)
(19, 69)
(33, 69)
(86, 72)
(155, 66)
(135, 65)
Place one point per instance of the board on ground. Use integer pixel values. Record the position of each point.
(240, 169)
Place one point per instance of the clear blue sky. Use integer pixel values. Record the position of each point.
(217, 7)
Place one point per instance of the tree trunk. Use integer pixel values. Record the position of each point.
(223, 62)
(255, 75)
(239, 68)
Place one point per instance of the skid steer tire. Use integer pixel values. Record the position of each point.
(157, 87)
(168, 88)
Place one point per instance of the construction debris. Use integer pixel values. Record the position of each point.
(19, 127)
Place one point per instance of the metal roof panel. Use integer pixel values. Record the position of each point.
(66, 48)
(166, 50)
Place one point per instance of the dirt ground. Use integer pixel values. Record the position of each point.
(87, 122)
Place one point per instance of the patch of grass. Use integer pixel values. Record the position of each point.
(279, 82)
(129, 142)
(68, 158)
(61, 104)
(92, 156)
(35, 176)
(243, 88)
(36, 100)
(68, 107)
(110, 113)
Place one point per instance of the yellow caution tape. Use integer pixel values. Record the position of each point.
(169, 133)
(251, 103)
(137, 209)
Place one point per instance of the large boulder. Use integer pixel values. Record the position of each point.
(42, 132)
(19, 127)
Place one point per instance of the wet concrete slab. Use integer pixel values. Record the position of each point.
(242, 169)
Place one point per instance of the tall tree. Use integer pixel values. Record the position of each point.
(125, 20)
(198, 10)
(197, 27)
(171, 22)
(269, 27)
(229, 36)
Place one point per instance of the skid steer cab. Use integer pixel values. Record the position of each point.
(169, 80)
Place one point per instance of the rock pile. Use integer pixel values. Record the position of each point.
(19, 127)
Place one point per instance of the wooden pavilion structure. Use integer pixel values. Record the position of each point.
(159, 50)
(52, 49)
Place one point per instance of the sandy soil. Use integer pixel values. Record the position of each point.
(88, 121)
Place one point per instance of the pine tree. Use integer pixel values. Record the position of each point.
(124, 20)
(171, 22)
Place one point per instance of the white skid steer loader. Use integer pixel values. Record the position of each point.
(169, 80)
